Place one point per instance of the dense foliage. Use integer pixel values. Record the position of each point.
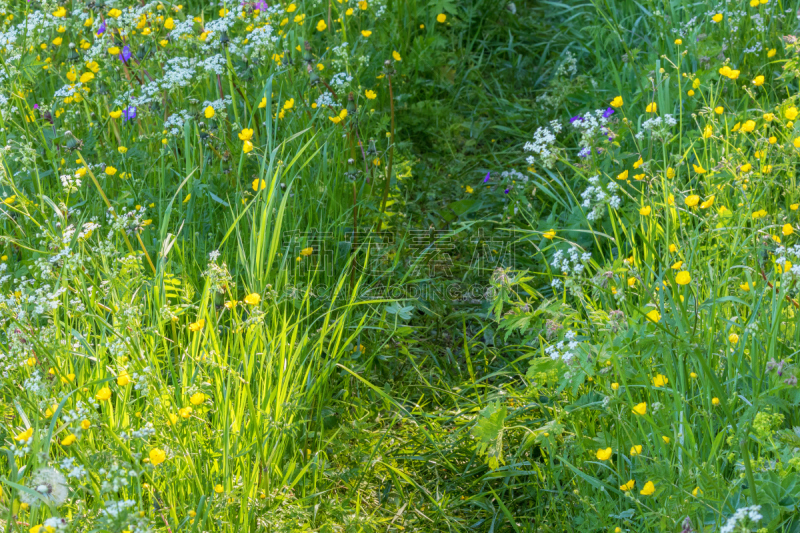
(386, 265)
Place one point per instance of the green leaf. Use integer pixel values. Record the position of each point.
(488, 431)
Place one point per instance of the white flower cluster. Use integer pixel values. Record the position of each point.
(219, 105)
(341, 80)
(215, 64)
(119, 515)
(513, 176)
(591, 125)
(81, 412)
(75, 471)
(260, 42)
(145, 432)
(174, 123)
(563, 350)
(659, 127)
(742, 515)
(114, 509)
(115, 478)
(570, 262)
(70, 182)
(326, 100)
(794, 253)
(595, 198)
(139, 379)
(542, 145)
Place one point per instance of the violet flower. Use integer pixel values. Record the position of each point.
(129, 113)
(102, 29)
(125, 55)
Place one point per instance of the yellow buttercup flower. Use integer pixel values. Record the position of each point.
(549, 235)
(24, 436)
(396, 56)
(648, 489)
(604, 454)
(370, 94)
(645, 211)
(758, 81)
(103, 394)
(652, 107)
(321, 26)
(659, 380)
(636, 449)
(699, 169)
(790, 113)
(157, 456)
(717, 18)
(623, 175)
(197, 398)
(259, 184)
(617, 101)
(209, 112)
(787, 229)
(252, 299)
(627, 486)
(197, 326)
(683, 278)
(715, 401)
(69, 439)
(441, 17)
(640, 408)
(733, 338)
(366, 33)
(692, 200)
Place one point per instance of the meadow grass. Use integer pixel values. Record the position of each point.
(399, 265)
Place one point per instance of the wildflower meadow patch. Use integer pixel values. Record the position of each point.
(387, 265)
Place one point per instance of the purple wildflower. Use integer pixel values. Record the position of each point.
(102, 29)
(261, 6)
(129, 113)
(608, 112)
(36, 106)
(487, 176)
(585, 152)
(576, 118)
(506, 191)
(125, 55)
